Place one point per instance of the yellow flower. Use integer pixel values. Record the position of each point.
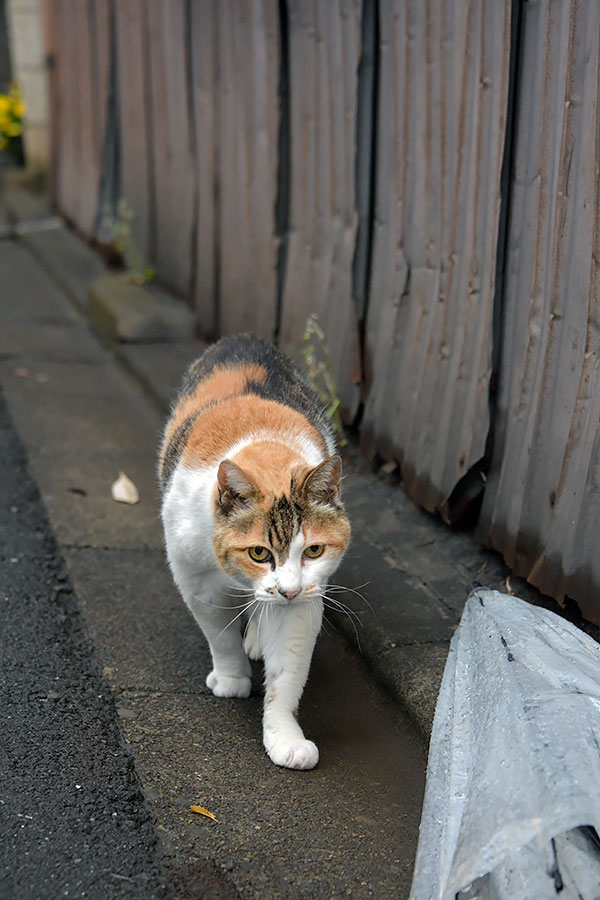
(12, 111)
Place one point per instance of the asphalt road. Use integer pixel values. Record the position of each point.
(73, 821)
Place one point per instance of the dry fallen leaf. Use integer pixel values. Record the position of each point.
(203, 812)
(124, 490)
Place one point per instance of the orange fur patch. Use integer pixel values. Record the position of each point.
(221, 383)
(270, 464)
(224, 424)
(224, 413)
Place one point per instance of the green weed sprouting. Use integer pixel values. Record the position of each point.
(137, 270)
(319, 372)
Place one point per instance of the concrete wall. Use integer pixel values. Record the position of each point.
(26, 36)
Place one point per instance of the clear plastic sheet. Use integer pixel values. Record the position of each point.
(512, 801)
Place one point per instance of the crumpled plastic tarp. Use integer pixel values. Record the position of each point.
(512, 800)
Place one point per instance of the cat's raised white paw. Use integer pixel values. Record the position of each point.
(294, 754)
(251, 645)
(228, 685)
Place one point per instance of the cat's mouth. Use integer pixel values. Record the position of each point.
(277, 598)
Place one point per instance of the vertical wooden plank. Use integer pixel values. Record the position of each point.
(52, 45)
(104, 127)
(75, 93)
(441, 121)
(133, 55)
(84, 110)
(324, 42)
(173, 171)
(66, 86)
(248, 65)
(541, 507)
(205, 148)
(389, 268)
(101, 40)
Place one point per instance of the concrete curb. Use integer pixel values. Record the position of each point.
(122, 311)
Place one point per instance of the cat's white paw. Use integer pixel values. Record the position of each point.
(294, 754)
(251, 645)
(228, 685)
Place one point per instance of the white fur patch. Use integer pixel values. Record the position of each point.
(299, 442)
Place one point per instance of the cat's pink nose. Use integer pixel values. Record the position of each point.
(289, 594)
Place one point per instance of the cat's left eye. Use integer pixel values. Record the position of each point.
(314, 551)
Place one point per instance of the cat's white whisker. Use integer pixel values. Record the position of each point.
(264, 605)
(352, 616)
(340, 588)
(344, 587)
(317, 608)
(206, 602)
(337, 606)
(325, 619)
(223, 630)
(250, 617)
(340, 605)
(311, 607)
(332, 603)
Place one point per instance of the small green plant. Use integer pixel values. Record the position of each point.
(138, 271)
(319, 371)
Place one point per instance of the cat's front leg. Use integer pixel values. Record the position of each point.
(230, 674)
(288, 635)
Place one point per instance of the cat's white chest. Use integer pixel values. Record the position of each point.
(188, 521)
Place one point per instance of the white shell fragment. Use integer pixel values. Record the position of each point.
(124, 490)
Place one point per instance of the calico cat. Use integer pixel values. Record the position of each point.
(254, 524)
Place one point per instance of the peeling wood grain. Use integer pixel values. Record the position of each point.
(541, 508)
(173, 170)
(137, 187)
(442, 114)
(247, 120)
(324, 40)
(203, 87)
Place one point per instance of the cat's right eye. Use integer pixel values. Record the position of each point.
(260, 554)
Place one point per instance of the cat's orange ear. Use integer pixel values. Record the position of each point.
(235, 487)
(323, 482)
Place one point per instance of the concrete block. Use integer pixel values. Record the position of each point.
(128, 312)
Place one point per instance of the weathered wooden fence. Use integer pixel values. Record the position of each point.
(421, 174)
(542, 503)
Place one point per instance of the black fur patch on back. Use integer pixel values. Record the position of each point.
(284, 382)
(174, 449)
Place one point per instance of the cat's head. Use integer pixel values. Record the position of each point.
(286, 545)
